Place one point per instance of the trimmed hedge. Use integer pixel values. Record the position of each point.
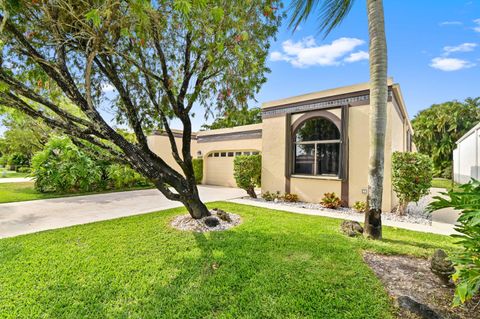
(411, 177)
(247, 170)
(198, 169)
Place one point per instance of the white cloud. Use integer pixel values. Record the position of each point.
(450, 64)
(445, 23)
(477, 22)
(106, 88)
(357, 56)
(306, 52)
(464, 47)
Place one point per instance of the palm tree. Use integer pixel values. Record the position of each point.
(331, 14)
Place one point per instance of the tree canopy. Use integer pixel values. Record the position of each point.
(235, 117)
(438, 128)
(144, 61)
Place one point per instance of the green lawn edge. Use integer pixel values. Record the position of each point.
(274, 265)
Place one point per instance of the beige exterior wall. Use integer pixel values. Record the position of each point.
(274, 145)
(311, 189)
(273, 154)
(216, 170)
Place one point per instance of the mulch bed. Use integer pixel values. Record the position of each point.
(409, 276)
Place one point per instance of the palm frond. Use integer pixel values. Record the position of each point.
(330, 12)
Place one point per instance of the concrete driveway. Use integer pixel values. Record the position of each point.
(33, 216)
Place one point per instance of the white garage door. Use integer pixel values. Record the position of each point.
(219, 167)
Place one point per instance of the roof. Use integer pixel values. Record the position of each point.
(322, 94)
(339, 91)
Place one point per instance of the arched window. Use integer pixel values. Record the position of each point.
(317, 148)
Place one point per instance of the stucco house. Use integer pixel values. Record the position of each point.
(466, 157)
(310, 144)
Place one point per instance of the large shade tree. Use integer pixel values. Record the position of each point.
(144, 61)
(438, 128)
(331, 14)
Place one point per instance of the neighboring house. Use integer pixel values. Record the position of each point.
(310, 144)
(466, 157)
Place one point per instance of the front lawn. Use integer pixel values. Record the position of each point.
(17, 192)
(12, 174)
(444, 183)
(274, 265)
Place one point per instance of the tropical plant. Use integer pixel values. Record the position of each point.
(62, 167)
(235, 117)
(440, 126)
(360, 206)
(331, 14)
(330, 200)
(271, 196)
(289, 197)
(247, 170)
(152, 60)
(411, 177)
(467, 262)
(198, 169)
(121, 176)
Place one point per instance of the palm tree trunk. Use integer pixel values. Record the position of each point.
(378, 117)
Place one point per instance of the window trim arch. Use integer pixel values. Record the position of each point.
(323, 114)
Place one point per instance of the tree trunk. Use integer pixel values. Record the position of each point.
(378, 117)
(251, 192)
(196, 208)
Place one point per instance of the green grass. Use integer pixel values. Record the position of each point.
(274, 265)
(12, 174)
(444, 183)
(17, 192)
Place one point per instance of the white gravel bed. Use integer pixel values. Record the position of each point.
(187, 223)
(416, 213)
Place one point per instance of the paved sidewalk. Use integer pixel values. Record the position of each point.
(15, 180)
(436, 228)
(33, 216)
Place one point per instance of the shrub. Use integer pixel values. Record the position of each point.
(122, 176)
(292, 198)
(24, 169)
(360, 207)
(17, 160)
(467, 262)
(330, 200)
(411, 177)
(62, 167)
(271, 196)
(247, 170)
(198, 169)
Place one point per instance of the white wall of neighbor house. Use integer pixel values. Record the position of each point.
(466, 157)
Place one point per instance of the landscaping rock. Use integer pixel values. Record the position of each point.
(223, 215)
(211, 221)
(351, 228)
(420, 309)
(441, 266)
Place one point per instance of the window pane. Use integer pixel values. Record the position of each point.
(230, 154)
(328, 156)
(238, 153)
(223, 154)
(304, 158)
(317, 129)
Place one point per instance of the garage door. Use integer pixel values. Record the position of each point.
(219, 168)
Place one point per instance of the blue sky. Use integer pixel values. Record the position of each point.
(433, 53)
(433, 49)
